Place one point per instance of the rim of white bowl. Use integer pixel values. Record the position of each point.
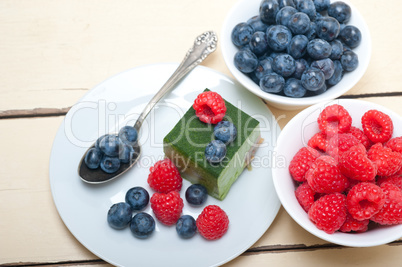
(373, 237)
(364, 51)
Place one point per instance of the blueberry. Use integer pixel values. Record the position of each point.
(338, 74)
(321, 90)
(257, 24)
(284, 3)
(319, 49)
(258, 43)
(340, 11)
(215, 151)
(327, 28)
(110, 145)
(349, 61)
(301, 65)
(321, 5)
(284, 65)
(313, 79)
(196, 194)
(326, 66)
(268, 10)
(142, 225)
(93, 158)
(98, 141)
(278, 37)
(110, 164)
(351, 36)
(297, 47)
(337, 49)
(186, 226)
(311, 33)
(128, 134)
(264, 67)
(119, 215)
(225, 131)
(245, 61)
(299, 23)
(272, 83)
(137, 197)
(294, 88)
(306, 6)
(241, 34)
(284, 14)
(126, 153)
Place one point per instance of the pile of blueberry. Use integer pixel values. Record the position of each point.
(225, 133)
(142, 224)
(297, 48)
(112, 150)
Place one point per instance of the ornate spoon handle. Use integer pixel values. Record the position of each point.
(204, 45)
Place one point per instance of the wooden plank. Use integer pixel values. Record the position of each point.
(57, 50)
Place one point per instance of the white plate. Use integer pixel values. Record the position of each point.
(251, 204)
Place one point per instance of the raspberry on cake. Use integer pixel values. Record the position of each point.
(185, 146)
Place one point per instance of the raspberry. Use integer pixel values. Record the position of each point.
(319, 141)
(395, 144)
(209, 107)
(324, 176)
(329, 212)
(164, 177)
(212, 223)
(364, 200)
(167, 207)
(355, 164)
(352, 224)
(391, 212)
(388, 162)
(340, 143)
(334, 119)
(377, 126)
(359, 134)
(301, 162)
(394, 179)
(305, 196)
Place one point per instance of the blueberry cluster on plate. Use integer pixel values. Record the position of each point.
(111, 150)
(297, 48)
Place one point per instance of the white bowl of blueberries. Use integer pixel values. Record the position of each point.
(296, 53)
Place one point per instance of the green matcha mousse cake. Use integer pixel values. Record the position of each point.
(185, 146)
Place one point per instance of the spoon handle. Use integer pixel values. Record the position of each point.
(204, 45)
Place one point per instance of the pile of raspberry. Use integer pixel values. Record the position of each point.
(350, 179)
(167, 205)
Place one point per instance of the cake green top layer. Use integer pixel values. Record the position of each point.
(190, 136)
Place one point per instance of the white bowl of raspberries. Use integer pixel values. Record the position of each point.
(296, 53)
(338, 172)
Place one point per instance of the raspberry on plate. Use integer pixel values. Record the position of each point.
(167, 207)
(164, 177)
(355, 164)
(209, 107)
(391, 212)
(340, 143)
(377, 126)
(364, 200)
(319, 141)
(329, 212)
(395, 144)
(305, 196)
(213, 222)
(324, 176)
(301, 162)
(388, 162)
(351, 224)
(334, 119)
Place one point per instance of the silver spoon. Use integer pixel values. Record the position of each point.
(204, 45)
